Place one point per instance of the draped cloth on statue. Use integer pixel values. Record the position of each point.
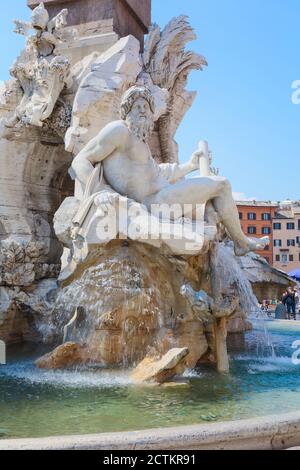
(104, 215)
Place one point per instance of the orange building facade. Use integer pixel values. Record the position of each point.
(257, 221)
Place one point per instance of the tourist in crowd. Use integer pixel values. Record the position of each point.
(289, 300)
(297, 300)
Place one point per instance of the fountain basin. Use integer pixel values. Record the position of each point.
(38, 404)
(265, 433)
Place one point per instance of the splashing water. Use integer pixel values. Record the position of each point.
(232, 274)
(109, 307)
(264, 342)
(76, 378)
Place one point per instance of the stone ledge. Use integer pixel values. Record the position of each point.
(265, 433)
(34, 3)
(139, 9)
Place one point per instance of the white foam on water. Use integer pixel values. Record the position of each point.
(76, 378)
(190, 374)
(268, 364)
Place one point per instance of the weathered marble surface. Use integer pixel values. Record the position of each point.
(39, 74)
(66, 355)
(129, 291)
(267, 282)
(167, 64)
(130, 295)
(127, 16)
(160, 370)
(276, 432)
(34, 170)
(99, 93)
(115, 167)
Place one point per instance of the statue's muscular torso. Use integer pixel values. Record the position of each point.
(130, 169)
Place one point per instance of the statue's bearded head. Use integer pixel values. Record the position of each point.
(137, 110)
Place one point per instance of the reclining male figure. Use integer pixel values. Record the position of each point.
(131, 171)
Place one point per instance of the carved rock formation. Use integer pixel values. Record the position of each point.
(33, 168)
(132, 303)
(26, 279)
(66, 355)
(39, 74)
(129, 292)
(169, 65)
(160, 370)
(100, 91)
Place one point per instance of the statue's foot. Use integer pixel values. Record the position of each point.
(254, 244)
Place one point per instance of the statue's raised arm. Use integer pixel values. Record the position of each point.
(107, 142)
(130, 170)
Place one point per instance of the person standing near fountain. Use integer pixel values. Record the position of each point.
(129, 168)
(289, 300)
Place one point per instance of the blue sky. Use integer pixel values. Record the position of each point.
(244, 106)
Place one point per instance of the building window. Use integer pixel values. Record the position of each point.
(299, 224)
(291, 257)
(251, 216)
(278, 257)
(298, 240)
(252, 230)
(290, 226)
(266, 216)
(284, 259)
(266, 230)
(277, 243)
(277, 226)
(291, 243)
(241, 215)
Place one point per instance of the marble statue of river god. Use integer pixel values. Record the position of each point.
(131, 171)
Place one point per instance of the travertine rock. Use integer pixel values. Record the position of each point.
(130, 294)
(239, 323)
(267, 282)
(66, 355)
(163, 68)
(100, 91)
(25, 312)
(152, 369)
(23, 263)
(33, 163)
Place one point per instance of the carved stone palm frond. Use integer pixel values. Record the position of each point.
(151, 42)
(165, 56)
(169, 64)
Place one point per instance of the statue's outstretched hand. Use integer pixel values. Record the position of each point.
(195, 160)
(200, 153)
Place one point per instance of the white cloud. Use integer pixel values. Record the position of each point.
(243, 197)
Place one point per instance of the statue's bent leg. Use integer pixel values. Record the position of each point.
(198, 191)
(190, 191)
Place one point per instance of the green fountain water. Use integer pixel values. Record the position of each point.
(35, 403)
